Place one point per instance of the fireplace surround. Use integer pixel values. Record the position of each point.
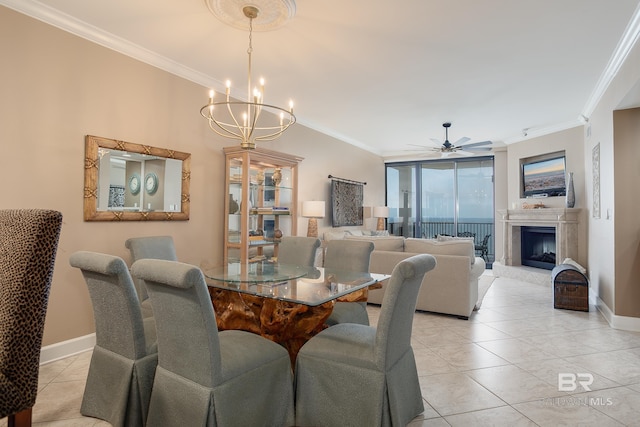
(563, 220)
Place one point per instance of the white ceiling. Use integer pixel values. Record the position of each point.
(382, 75)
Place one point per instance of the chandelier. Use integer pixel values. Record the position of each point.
(245, 120)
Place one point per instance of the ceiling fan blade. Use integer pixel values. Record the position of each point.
(476, 149)
(422, 148)
(427, 147)
(461, 141)
(429, 155)
(463, 153)
(477, 144)
(436, 141)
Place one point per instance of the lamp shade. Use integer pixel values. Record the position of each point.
(380, 212)
(313, 209)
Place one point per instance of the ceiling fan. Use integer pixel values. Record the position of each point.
(446, 148)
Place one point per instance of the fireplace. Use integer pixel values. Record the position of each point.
(538, 247)
(563, 222)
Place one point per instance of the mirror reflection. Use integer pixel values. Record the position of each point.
(127, 181)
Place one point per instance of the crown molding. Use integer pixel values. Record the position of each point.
(72, 25)
(626, 43)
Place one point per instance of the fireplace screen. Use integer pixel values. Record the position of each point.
(538, 247)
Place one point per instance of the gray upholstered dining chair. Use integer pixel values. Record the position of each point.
(352, 374)
(154, 247)
(298, 250)
(28, 245)
(348, 255)
(125, 356)
(206, 377)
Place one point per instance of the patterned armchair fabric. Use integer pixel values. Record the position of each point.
(28, 245)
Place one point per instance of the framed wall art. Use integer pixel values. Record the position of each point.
(346, 203)
(595, 168)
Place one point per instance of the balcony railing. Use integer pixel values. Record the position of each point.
(430, 230)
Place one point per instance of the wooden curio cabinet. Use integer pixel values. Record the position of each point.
(261, 202)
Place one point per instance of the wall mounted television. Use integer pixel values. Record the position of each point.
(543, 175)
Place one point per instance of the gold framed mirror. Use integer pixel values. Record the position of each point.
(124, 181)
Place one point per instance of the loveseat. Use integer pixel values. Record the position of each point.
(450, 288)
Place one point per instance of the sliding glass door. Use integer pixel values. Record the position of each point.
(401, 200)
(438, 202)
(451, 197)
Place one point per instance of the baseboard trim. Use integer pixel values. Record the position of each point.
(63, 349)
(617, 322)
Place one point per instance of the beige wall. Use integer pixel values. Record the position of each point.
(620, 298)
(56, 88)
(626, 125)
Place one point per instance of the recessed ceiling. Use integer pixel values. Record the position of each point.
(382, 75)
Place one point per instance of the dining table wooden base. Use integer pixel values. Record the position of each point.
(288, 323)
(287, 304)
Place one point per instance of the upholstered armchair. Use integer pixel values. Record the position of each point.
(28, 245)
(206, 377)
(298, 250)
(348, 255)
(154, 247)
(358, 375)
(125, 356)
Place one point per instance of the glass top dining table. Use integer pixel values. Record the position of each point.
(304, 285)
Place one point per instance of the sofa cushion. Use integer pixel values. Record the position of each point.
(334, 235)
(382, 243)
(463, 247)
(444, 238)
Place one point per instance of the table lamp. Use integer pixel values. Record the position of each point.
(380, 212)
(313, 210)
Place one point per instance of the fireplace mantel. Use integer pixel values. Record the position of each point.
(564, 220)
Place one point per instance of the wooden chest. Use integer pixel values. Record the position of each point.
(570, 288)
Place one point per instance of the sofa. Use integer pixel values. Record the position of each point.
(450, 288)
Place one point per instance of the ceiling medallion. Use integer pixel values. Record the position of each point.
(273, 13)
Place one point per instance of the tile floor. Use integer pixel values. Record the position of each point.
(500, 367)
